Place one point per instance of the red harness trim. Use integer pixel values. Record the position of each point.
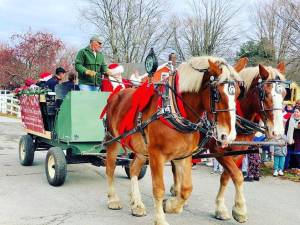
(140, 99)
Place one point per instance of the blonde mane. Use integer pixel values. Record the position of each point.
(190, 79)
(250, 73)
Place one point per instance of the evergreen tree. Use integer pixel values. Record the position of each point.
(257, 52)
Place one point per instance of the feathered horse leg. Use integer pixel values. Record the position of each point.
(112, 153)
(137, 206)
(184, 184)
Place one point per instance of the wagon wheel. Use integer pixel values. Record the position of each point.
(56, 166)
(141, 175)
(127, 169)
(26, 150)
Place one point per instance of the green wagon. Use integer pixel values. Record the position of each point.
(72, 133)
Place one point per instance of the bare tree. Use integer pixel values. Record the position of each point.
(291, 15)
(208, 30)
(278, 24)
(129, 27)
(270, 27)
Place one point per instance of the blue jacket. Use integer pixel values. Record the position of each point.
(52, 82)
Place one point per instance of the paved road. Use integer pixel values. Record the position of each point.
(27, 199)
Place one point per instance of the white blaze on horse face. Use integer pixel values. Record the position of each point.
(231, 106)
(277, 128)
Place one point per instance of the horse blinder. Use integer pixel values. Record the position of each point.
(242, 90)
(215, 95)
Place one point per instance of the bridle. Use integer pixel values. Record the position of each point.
(215, 94)
(262, 94)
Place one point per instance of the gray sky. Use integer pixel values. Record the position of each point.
(61, 17)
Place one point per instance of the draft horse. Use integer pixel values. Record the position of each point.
(204, 83)
(264, 94)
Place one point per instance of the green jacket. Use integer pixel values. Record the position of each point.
(86, 60)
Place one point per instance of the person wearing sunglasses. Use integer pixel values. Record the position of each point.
(90, 65)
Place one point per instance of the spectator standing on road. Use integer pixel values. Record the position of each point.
(279, 153)
(293, 140)
(217, 167)
(297, 103)
(288, 111)
(254, 160)
(245, 166)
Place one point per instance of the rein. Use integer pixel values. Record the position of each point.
(169, 111)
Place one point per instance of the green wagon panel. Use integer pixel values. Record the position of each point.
(78, 118)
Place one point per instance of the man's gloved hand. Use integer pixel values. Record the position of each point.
(108, 73)
(90, 73)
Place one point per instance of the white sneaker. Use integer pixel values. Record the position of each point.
(275, 174)
(280, 173)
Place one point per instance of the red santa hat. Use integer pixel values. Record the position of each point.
(45, 76)
(116, 68)
(29, 82)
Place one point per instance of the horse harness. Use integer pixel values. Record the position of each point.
(170, 112)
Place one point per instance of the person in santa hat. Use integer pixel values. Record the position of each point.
(116, 75)
(29, 84)
(44, 77)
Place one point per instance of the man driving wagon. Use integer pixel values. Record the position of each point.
(90, 65)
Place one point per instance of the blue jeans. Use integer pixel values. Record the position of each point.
(279, 162)
(288, 157)
(84, 87)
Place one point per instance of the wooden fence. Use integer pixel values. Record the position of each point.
(9, 105)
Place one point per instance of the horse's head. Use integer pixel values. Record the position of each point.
(267, 91)
(217, 84)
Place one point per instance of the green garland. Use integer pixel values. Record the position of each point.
(30, 92)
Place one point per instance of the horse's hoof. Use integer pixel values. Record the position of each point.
(115, 205)
(239, 215)
(170, 206)
(222, 215)
(138, 210)
(161, 222)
